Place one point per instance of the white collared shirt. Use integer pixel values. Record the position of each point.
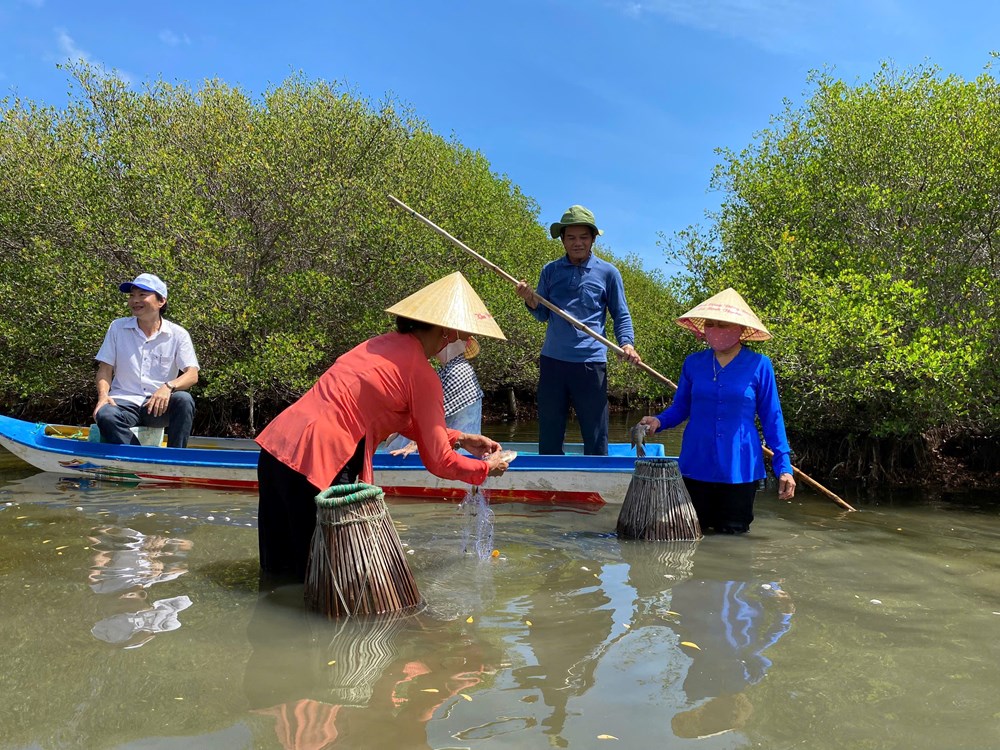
(141, 365)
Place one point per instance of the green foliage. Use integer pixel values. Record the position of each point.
(861, 226)
(268, 220)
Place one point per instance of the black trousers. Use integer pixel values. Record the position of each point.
(727, 508)
(585, 386)
(286, 513)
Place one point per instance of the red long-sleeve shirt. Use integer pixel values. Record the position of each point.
(381, 386)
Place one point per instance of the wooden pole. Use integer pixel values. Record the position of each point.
(595, 335)
(544, 302)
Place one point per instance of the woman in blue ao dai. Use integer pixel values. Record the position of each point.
(722, 392)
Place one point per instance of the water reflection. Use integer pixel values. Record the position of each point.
(123, 629)
(128, 562)
(568, 635)
(321, 682)
(731, 617)
(571, 628)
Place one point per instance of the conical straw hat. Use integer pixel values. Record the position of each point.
(729, 307)
(471, 348)
(450, 302)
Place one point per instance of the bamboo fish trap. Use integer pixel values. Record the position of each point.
(357, 565)
(657, 505)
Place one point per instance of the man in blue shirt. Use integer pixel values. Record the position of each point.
(573, 365)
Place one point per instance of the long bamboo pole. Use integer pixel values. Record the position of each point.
(594, 334)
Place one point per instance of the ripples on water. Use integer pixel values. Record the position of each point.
(132, 618)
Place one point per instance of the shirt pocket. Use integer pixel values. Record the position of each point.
(592, 295)
(160, 363)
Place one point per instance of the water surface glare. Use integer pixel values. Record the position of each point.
(132, 619)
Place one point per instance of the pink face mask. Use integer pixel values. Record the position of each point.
(721, 339)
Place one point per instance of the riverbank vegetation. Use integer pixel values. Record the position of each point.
(862, 226)
(859, 225)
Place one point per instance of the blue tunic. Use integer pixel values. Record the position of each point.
(721, 442)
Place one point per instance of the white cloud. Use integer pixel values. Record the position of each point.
(774, 25)
(172, 39)
(70, 51)
(780, 26)
(69, 48)
(633, 10)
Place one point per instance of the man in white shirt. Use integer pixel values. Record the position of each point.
(144, 368)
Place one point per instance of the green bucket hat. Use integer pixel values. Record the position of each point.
(574, 215)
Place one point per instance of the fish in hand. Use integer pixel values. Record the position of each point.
(637, 435)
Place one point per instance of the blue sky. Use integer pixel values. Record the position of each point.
(615, 104)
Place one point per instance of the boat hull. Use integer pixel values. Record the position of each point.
(226, 463)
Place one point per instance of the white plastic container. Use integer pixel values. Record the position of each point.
(149, 435)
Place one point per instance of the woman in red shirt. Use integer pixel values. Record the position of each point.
(381, 386)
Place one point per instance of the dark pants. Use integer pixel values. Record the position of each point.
(727, 508)
(585, 386)
(286, 513)
(115, 422)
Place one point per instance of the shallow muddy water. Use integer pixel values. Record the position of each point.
(132, 618)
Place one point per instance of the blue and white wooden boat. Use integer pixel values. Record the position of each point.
(232, 463)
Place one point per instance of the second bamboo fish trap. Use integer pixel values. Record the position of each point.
(357, 565)
(657, 505)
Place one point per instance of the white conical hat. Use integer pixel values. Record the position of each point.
(450, 302)
(729, 307)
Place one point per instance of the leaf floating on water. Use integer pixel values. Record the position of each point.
(671, 612)
(496, 553)
(63, 547)
(469, 619)
(528, 622)
(695, 646)
(331, 662)
(875, 601)
(626, 626)
(606, 737)
(466, 697)
(430, 690)
(584, 567)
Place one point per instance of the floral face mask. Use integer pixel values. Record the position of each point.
(721, 339)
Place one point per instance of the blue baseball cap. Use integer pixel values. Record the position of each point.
(147, 281)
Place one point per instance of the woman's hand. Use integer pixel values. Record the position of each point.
(786, 487)
(496, 463)
(479, 445)
(652, 424)
(406, 450)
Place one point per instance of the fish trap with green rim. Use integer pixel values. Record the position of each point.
(657, 505)
(357, 565)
